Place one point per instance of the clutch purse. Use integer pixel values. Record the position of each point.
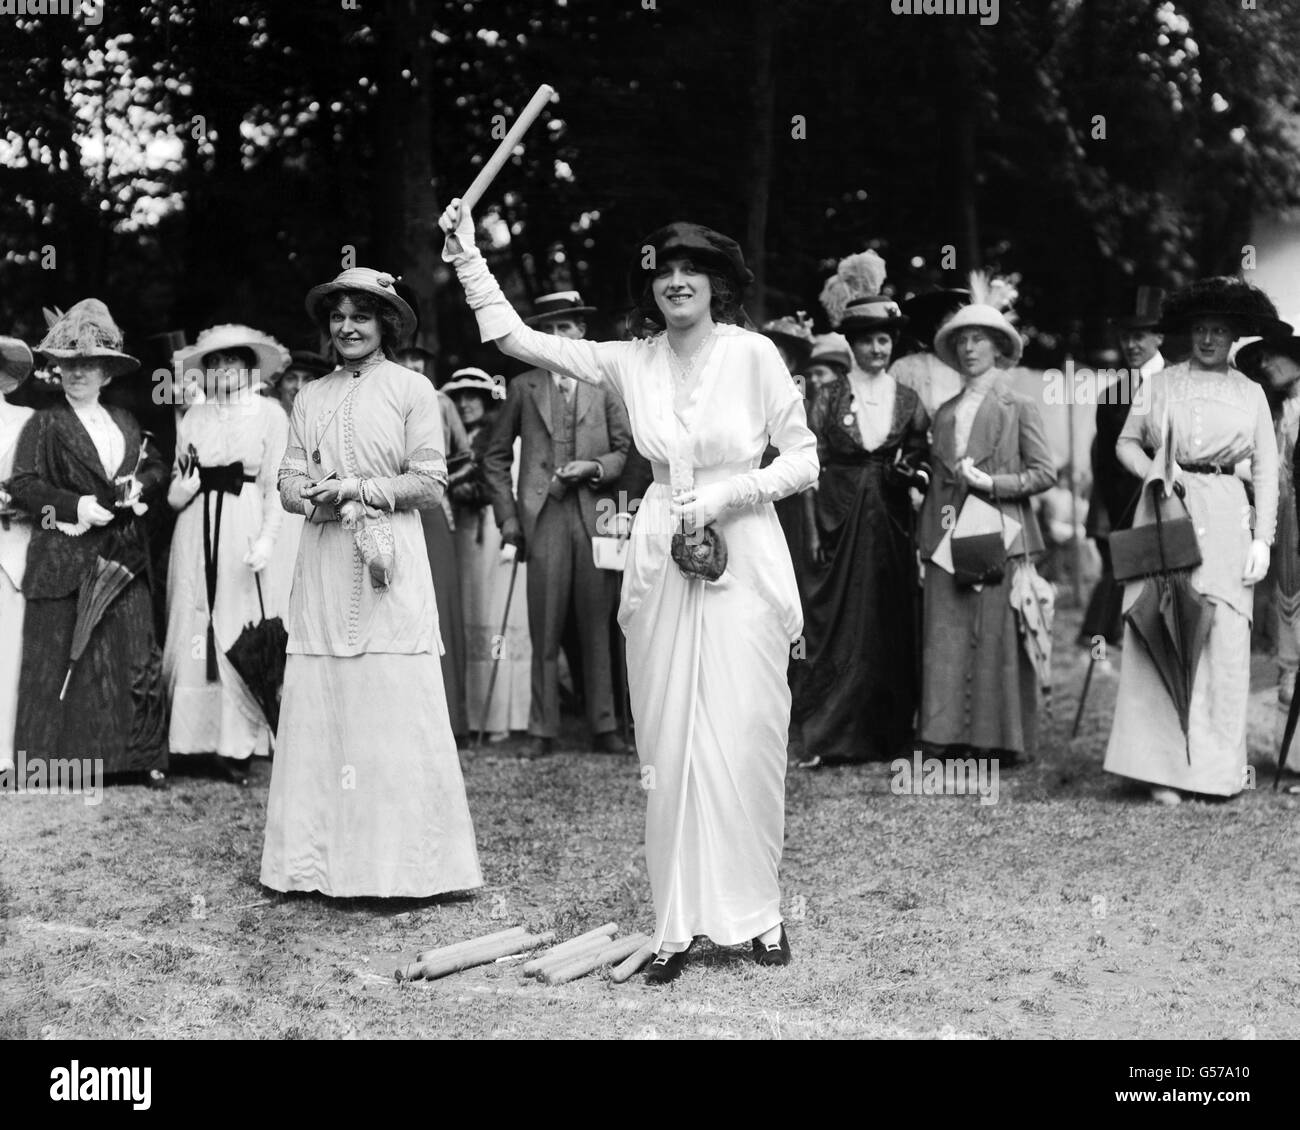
(702, 555)
(1160, 547)
(980, 559)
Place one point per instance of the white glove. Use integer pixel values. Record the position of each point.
(259, 556)
(1256, 562)
(90, 513)
(700, 506)
(183, 489)
(459, 227)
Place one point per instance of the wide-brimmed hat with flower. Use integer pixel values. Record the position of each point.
(1247, 309)
(16, 360)
(794, 331)
(369, 281)
(471, 379)
(831, 349)
(87, 331)
(988, 298)
(271, 357)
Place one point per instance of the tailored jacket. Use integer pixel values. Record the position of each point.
(602, 433)
(1007, 440)
(55, 464)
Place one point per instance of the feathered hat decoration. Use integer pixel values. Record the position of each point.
(87, 330)
(857, 276)
(996, 291)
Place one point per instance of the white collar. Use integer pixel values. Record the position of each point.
(1154, 364)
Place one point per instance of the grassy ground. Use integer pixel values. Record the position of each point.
(1071, 908)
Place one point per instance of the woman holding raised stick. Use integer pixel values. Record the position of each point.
(708, 651)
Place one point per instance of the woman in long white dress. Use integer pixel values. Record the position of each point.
(228, 452)
(486, 565)
(707, 659)
(15, 532)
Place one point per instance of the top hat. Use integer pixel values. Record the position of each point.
(1247, 309)
(365, 279)
(1147, 309)
(88, 331)
(271, 357)
(560, 304)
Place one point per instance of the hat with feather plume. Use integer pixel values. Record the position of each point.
(852, 298)
(1247, 309)
(87, 332)
(990, 299)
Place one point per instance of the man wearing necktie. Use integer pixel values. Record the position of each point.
(574, 441)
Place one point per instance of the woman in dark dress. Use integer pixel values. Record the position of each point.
(84, 473)
(856, 690)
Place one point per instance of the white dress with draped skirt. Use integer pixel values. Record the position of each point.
(707, 660)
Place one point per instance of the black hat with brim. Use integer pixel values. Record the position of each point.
(1250, 357)
(1246, 308)
(705, 248)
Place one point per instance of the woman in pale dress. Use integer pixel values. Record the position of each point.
(486, 565)
(366, 792)
(707, 660)
(1205, 419)
(224, 490)
(15, 532)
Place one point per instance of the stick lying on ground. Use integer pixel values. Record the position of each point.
(480, 952)
(625, 970)
(589, 962)
(457, 947)
(570, 948)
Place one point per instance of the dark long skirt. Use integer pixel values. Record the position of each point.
(451, 617)
(856, 690)
(979, 686)
(116, 705)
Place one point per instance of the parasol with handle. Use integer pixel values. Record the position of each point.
(116, 566)
(258, 657)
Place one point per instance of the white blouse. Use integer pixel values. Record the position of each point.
(104, 434)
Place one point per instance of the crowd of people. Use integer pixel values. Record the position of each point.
(830, 548)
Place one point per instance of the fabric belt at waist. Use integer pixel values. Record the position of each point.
(703, 475)
(229, 478)
(1207, 469)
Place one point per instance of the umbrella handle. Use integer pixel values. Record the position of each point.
(496, 663)
(257, 579)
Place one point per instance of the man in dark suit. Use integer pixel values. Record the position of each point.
(1114, 487)
(575, 440)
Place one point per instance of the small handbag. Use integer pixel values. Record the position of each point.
(701, 555)
(980, 559)
(1160, 547)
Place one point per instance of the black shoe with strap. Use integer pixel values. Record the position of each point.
(666, 967)
(772, 953)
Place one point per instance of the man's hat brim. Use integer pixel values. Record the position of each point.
(555, 315)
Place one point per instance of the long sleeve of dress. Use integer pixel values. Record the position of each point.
(590, 361)
(1038, 471)
(27, 486)
(1264, 471)
(293, 477)
(797, 466)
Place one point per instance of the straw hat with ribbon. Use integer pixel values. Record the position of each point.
(87, 332)
(471, 379)
(271, 356)
(988, 300)
(380, 284)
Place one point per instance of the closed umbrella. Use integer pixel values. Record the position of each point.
(258, 656)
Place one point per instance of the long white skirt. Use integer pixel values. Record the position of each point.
(367, 796)
(707, 678)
